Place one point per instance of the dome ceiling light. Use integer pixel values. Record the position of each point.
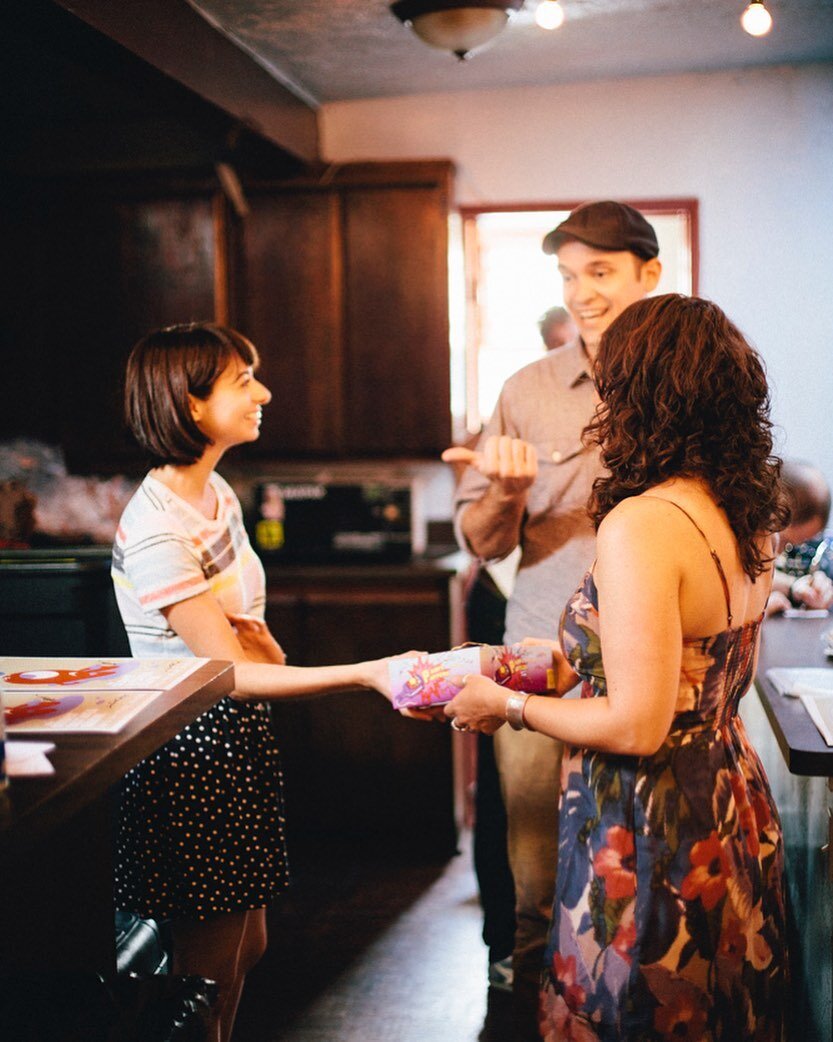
(459, 26)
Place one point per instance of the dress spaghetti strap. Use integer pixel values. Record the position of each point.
(712, 551)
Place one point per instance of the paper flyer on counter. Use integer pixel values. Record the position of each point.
(94, 674)
(72, 711)
(820, 708)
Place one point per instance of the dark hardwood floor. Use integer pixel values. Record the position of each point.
(371, 945)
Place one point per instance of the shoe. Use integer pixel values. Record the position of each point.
(500, 974)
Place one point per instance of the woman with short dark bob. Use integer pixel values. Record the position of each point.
(668, 921)
(201, 830)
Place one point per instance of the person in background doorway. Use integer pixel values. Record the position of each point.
(556, 328)
(201, 833)
(808, 496)
(528, 484)
(669, 919)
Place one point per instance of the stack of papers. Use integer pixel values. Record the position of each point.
(83, 694)
(815, 689)
(801, 681)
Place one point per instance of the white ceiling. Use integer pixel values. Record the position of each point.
(333, 50)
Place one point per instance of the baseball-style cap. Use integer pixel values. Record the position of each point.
(606, 225)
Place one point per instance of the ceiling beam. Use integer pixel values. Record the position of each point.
(171, 36)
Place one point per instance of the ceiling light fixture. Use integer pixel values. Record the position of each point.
(549, 14)
(459, 26)
(756, 20)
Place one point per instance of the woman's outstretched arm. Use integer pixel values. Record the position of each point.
(201, 624)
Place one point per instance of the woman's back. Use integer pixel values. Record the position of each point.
(683, 514)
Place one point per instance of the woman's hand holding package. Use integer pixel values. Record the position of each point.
(479, 706)
(481, 703)
(427, 713)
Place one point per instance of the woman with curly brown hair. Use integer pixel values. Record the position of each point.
(669, 917)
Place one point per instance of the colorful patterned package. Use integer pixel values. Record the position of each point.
(429, 680)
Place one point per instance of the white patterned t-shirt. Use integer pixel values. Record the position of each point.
(165, 551)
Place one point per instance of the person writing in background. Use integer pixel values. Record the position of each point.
(201, 824)
(808, 496)
(669, 915)
(528, 483)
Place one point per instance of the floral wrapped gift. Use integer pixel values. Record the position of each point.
(427, 680)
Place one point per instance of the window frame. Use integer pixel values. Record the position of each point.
(686, 207)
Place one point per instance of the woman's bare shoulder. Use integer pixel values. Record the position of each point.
(639, 532)
(631, 515)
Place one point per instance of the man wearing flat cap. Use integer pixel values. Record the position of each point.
(527, 484)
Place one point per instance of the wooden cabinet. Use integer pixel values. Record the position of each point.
(354, 766)
(288, 299)
(153, 264)
(343, 286)
(340, 281)
(96, 268)
(396, 367)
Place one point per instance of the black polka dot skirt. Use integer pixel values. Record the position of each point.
(201, 822)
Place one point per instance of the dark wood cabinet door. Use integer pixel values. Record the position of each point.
(396, 365)
(133, 265)
(289, 303)
(353, 765)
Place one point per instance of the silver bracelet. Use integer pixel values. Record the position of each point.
(515, 705)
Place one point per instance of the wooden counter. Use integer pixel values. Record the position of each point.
(794, 642)
(56, 835)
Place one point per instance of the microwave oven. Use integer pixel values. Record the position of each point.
(309, 522)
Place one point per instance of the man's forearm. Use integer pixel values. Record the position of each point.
(492, 525)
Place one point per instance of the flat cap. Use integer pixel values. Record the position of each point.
(606, 225)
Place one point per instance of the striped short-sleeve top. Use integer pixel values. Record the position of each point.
(165, 551)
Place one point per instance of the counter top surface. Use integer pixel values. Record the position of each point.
(437, 560)
(87, 765)
(794, 642)
(427, 566)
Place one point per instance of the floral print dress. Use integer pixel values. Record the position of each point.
(669, 918)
